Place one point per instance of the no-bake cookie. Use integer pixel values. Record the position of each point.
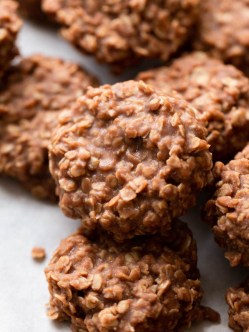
(10, 25)
(228, 211)
(238, 301)
(146, 284)
(24, 153)
(220, 92)
(34, 92)
(223, 30)
(40, 83)
(129, 159)
(119, 32)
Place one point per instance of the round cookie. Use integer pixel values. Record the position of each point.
(146, 284)
(238, 301)
(124, 31)
(24, 153)
(10, 25)
(223, 30)
(35, 90)
(129, 159)
(220, 92)
(40, 83)
(228, 211)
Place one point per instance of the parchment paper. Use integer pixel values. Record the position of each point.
(27, 222)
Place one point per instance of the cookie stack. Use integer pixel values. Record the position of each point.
(127, 160)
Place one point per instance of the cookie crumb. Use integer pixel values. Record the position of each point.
(38, 253)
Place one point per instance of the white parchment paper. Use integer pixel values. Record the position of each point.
(26, 222)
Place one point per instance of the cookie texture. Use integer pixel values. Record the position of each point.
(219, 92)
(128, 159)
(40, 83)
(24, 153)
(223, 30)
(10, 25)
(35, 91)
(119, 32)
(238, 301)
(227, 212)
(146, 284)
(31, 9)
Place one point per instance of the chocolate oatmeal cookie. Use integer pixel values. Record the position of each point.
(128, 159)
(238, 301)
(35, 90)
(40, 83)
(146, 284)
(10, 25)
(119, 32)
(24, 153)
(220, 92)
(228, 211)
(224, 30)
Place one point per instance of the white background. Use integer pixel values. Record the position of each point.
(26, 222)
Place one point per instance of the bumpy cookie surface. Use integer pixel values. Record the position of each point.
(146, 284)
(35, 90)
(40, 83)
(224, 30)
(238, 301)
(228, 210)
(220, 92)
(24, 153)
(117, 32)
(128, 159)
(10, 25)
